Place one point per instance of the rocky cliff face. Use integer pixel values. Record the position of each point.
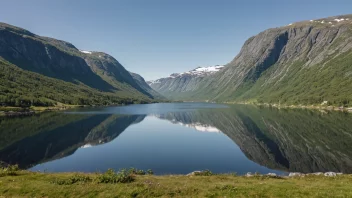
(275, 53)
(301, 63)
(61, 60)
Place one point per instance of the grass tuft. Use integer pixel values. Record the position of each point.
(204, 173)
(77, 178)
(110, 176)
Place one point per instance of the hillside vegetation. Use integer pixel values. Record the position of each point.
(19, 87)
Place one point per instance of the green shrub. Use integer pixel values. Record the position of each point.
(10, 170)
(110, 176)
(150, 172)
(135, 171)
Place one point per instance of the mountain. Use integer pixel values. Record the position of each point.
(307, 62)
(38, 70)
(177, 83)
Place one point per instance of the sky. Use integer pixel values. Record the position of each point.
(155, 38)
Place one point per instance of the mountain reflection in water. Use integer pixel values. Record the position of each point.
(282, 140)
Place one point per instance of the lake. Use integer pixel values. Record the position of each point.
(178, 138)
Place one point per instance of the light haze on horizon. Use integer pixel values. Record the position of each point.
(155, 38)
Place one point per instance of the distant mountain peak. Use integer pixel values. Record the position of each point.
(197, 72)
(201, 71)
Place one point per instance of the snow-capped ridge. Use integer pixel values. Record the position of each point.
(199, 71)
(331, 20)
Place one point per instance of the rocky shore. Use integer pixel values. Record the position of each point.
(283, 106)
(17, 113)
(297, 174)
(272, 175)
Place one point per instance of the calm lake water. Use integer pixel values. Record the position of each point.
(178, 138)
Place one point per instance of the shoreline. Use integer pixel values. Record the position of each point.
(12, 111)
(29, 111)
(313, 107)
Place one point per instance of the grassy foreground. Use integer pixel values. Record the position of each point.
(34, 184)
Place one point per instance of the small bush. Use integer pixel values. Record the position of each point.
(135, 171)
(73, 179)
(150, 172)
(204, 173)
(110, 176)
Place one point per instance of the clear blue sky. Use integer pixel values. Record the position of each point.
(158, 37)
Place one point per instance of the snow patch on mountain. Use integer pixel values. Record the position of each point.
(150, 82)
(209, 69)
(338, 20)
(201, 71)
(86, 52)
(331, 20)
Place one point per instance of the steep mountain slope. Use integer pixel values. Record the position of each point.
(177, 83)
(19, 87)
(144, 85)
(96, 71)
(306, 62)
